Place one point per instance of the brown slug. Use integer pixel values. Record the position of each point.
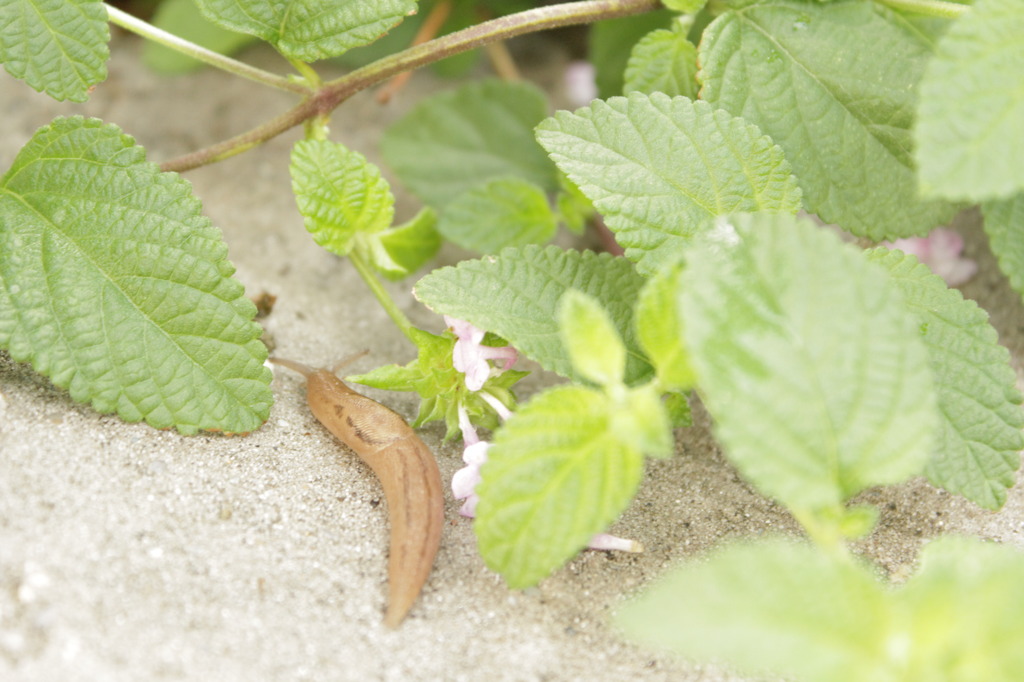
(407, 471)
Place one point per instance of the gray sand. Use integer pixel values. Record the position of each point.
(133, 554)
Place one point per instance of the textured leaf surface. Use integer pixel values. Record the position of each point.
(503, 212)
(610, 42)
(663, 61)
(339, 194)
(594, 346)
(1004, 225)
(453, 141)
(115, 286)
(309, 29)
(970, 130)
(402, 250)
(842, 113)
(659, 169)
(56, 46)
(807, 359)
(796, 612)
(555, 476)
(515, 295)
(977, 453)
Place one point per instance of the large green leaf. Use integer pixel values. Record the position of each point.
(499, 213)
(56, 46)
(454, 141)
(660, 168)
(808, 360)
(803, 73)
(970, 130)
(978, 450)
(515, 295)
(310, 29)
(1004, 225)
(115, 286)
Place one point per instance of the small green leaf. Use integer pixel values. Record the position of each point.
(685, 6)
(663, 61)
(556, 475)
(842, 113)
(400, 251)
(339, 194)
(502, 212)
(659, 328)
(115, 286)
(56, 46)
(659, 169)
(183, 19)
(515, 295)
(970, 127)
(640, 418)
(574, 209)
(1004, 225)
(808, 361)
(773, 606)
(611, 41)
(978, 450)
(310, 29)
(451, 142)
(594, 346)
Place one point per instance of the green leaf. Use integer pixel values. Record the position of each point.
(970, 130)
(659, 328)
(980, 437)
(183, 19)
(684, 6)
(774, 606)
(309, 30)
(659, 168)
(808, 361)
(574, 209)
(502, 212)
(339, 194)
(842, 113)
(515, 295)
(1004, 225)
(556, 475)
(116, 287)
(58, 47)
(400, 251)
(451, 142)
(610, 44)
(588, 333)
(663, 61)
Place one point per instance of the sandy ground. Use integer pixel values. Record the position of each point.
(132, 554)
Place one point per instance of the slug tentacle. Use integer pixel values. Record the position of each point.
(407, 471)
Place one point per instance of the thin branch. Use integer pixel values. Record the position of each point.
(337, 91)
(173, 42)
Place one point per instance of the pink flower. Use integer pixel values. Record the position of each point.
(471, 357)
(580, 83)
(940, 251)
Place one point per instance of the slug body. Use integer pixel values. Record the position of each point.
(407, 471)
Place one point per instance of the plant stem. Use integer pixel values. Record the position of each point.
(337, 91)
(169, 40)
(388, 303)
(933, 8)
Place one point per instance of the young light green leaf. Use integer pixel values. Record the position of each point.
(116, 287)
(400, 251)
(969, 144)
(1004, 225)
(574, 209)
(659, 169)
(56, 46)
(663, 61)
(453, 141)
(515, 295)
(556, 475)
(499, 213)
(611, 41)
(808, 361)
(684, 6)
(339, 194)
(309, 29)
(659, 328)
(774, 606)
(589, 335)
(183, 19)
(978, 449)
(841, 112)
